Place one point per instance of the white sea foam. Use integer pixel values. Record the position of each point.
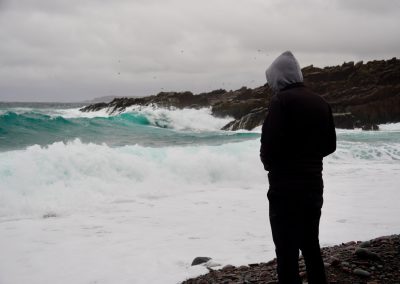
(358, 152)
(140, 215)
(56, 177)
(182, 119)
(76, 113)
(60, 175)
(390, 126)
(179, 119)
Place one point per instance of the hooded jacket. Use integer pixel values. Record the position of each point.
(298, 130)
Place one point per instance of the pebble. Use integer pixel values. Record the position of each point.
(361, 272)
(200, 260)
(366, 253)
(228, 267)
(334, 261)
(348, 266)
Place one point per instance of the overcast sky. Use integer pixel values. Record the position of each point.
(73, 50)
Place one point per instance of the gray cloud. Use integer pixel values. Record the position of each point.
(75, 50)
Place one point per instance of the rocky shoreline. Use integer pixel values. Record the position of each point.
(362, 95)
(370, 262)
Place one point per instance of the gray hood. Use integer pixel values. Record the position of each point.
(285, 70)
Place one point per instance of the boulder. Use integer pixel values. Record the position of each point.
(200, 260)
(248, 121)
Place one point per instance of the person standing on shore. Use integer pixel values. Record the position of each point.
(297, 133)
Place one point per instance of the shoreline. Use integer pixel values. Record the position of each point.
(376, 261)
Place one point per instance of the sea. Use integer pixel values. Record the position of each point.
(135, 196)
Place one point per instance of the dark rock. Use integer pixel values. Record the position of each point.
(345, 264)
(366, 254)
(94, 107)
(361, 95)
(49, 215)
(365, 244)
(369, 126)
(358, 64)
(249, 121)
(200, 260)
(344, 120)
(361, 272)
(236, 108)
(334, 261)
(228, 267)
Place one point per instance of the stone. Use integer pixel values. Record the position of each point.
(49, 215)
(345, 264)
(361, 272)
(249, 121)
(366, 254)
(200, 260)
(334, 261)
(228, 267)
(370, 126)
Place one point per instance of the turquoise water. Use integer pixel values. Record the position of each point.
(45, 124)
(24, 125)
(51, 155)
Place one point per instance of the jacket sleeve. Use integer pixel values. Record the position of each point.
(271, 133)
(330, 145)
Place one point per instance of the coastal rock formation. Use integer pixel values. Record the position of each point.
(361, 95)
(372, 262)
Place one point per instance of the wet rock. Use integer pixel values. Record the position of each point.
(344, 120)
(334, 261)
(345, 264)
(49, 215)
(228, 267)
(361, 272)
(237, 109)
(200, 260)
(249, 121)
(361, 95)
(367, 254)
(370, 126)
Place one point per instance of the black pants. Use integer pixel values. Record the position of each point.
(294, 222)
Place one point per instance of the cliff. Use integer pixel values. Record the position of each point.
(361, 95)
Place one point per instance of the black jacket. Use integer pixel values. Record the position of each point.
(297, 133)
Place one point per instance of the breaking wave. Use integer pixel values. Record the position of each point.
(148, 126)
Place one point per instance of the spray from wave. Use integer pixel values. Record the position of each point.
(148, 126)
(73, 176)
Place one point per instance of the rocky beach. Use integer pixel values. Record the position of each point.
(362, 95)
(133, 192)
(375, 261)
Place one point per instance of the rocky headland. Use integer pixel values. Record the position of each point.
(362, 95)
(370, 262)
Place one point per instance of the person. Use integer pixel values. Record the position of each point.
(297, 133)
